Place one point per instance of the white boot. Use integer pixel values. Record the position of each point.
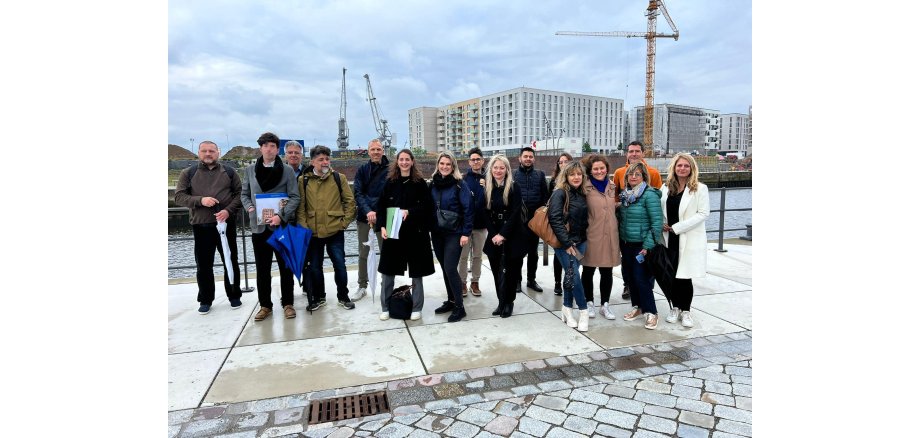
(583, 320)
(567, 317)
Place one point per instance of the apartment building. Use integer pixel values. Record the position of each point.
(736, 133)
(423, 128)
(506, 121)
(713, 131)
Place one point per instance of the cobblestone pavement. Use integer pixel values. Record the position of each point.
(699, 387)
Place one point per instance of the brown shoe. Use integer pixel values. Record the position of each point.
(464, 289)
(475, 288)
(289, 312)
(263, 312)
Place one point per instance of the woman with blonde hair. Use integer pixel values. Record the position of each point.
(685, 203)
(452, 224)
(505, 244)
(568, 216)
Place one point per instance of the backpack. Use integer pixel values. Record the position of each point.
(194, 168)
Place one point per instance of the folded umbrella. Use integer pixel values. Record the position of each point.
(292, 241)
(372, 263)
(228, 264)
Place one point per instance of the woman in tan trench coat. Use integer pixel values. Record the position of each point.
(603, 250)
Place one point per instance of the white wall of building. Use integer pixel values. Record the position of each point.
(423, 128)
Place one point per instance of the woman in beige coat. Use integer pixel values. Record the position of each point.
(603, 250)
(685, 204)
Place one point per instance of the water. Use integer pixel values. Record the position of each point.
(182, 252)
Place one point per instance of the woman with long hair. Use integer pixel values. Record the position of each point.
(406, 191)
(505, 244)
(452, 223)
(563, 159)
(568, 215)
(604, 251)
(685, 203)
(640, 219)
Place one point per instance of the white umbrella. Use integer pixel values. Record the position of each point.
(372, 262)
(222, 230)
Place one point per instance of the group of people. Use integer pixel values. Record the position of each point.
(601, 222)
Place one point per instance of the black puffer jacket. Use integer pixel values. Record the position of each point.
(534, 192)
(577, 217)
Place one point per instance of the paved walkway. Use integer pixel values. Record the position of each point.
(528, 375)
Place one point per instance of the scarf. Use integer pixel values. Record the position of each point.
(268, 178)
(441, 181)
(601, 185)
(630, 196)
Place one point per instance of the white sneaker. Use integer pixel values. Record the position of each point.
(607, 312)
(685, 319)
(384, 316)
(415, 316)
(591, 311)
(672, 318)
(360, 293)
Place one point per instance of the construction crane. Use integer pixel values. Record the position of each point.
(652, 13)
(385, 136)
(342, 141)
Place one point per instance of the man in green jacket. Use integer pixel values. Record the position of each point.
(327, 208)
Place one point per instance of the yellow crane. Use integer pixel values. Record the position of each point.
(652, 13)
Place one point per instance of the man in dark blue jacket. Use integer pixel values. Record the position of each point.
(475, 179)
(369, 182)
(534, 194)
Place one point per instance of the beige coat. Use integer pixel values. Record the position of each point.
(690, 229)
(603, 236)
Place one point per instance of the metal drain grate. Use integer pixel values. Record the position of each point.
(347, 407)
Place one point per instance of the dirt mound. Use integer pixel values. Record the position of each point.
(177, 152)
(241, 153)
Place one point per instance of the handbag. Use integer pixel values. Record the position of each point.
(540, 226)
(400, 302)
(448, 221)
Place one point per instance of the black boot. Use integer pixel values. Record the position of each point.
(533, 285)
(506, 311)
(446, 307)
(498, 310)
(458, 314)
(558, 289)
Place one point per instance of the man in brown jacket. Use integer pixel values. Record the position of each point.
(634, 154)
(211, 191)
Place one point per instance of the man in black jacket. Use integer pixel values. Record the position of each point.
(369, 182)
(534, 193)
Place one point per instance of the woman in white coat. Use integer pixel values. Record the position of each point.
(685, 203)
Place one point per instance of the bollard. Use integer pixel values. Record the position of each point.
(748, 236)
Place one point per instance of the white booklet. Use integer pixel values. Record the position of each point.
(268, 205)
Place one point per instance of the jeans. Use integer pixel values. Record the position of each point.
(638, 277)
(335, 247)
(263, 253)
(447, 251)
(578, 291)
(207, 239)
(477, 241)
(364, 231)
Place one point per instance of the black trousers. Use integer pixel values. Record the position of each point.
(447, 250)
(263, 253)
(587, 282)
(506, 271)
(207, 239)
(557, 270)
(681, 288)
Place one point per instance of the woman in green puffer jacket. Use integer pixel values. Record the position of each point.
(640, 218)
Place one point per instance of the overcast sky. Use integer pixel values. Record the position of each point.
(238, 69)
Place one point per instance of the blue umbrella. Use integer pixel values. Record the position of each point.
(292, 241)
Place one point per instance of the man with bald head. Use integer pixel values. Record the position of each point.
(369, 182)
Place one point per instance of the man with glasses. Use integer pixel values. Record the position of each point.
(475, 179)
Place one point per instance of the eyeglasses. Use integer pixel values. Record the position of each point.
(475, 159)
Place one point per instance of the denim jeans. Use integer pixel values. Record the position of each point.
(578, 291)
(335, 247)
(639, 278)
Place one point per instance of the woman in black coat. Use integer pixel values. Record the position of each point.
(406, 190)
(453, 207)
(505, 245)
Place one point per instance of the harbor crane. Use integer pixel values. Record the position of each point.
(342, 141)
(383, 130)
(652, 13)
